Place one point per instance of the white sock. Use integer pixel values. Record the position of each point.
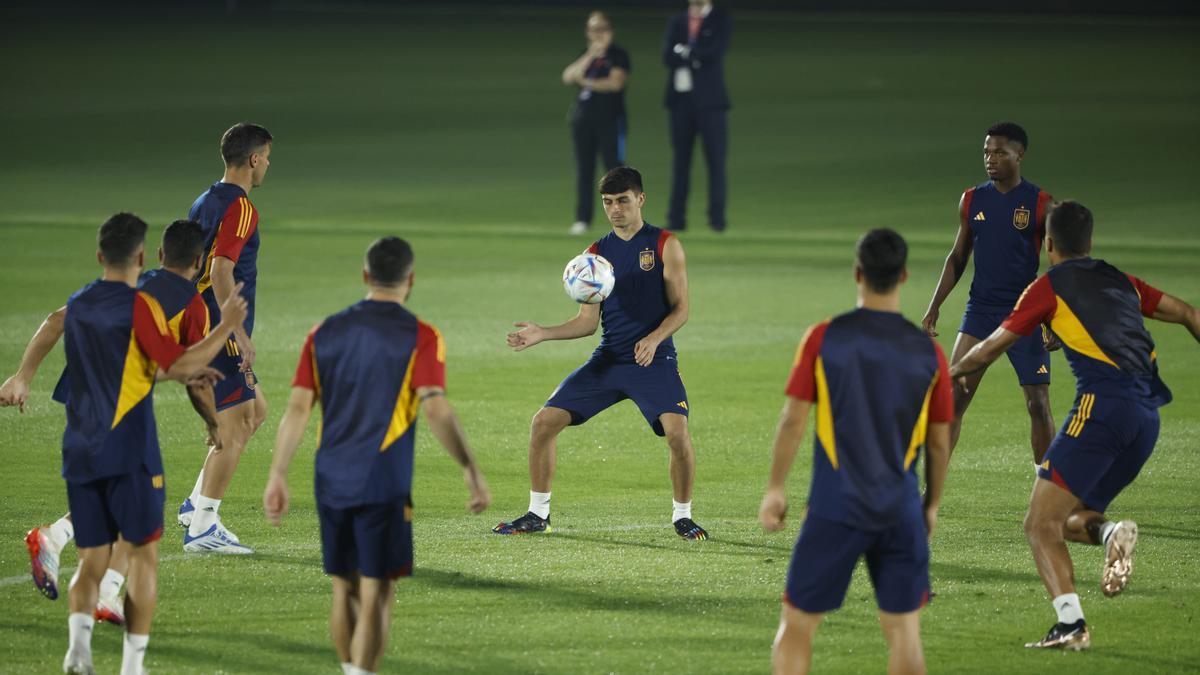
(196, 488)
(1067, 606)
(348, 668)
(1106, 530)
(539, 504)
(205, 515)
(61, 532)
(134, 653)
(110, 585)
(680, 510)
(79, 628)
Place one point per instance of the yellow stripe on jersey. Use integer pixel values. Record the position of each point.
(825, 415)
(441, 344)
(156, 311)
(1070, 330)
(137, 379)
(174, 326)
(921, 427)
(405, 412)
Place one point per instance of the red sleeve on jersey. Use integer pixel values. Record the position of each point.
(1043, 207)
(941, 402)
(152, 333)
(1035, 306)
(306, 369)
(1149, 295)
(430, 367)
(240, 221)
(662, 242)
(594, 249)
(964, 214)
(803, 382)
(194, 325)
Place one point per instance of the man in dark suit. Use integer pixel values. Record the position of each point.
(693, 52)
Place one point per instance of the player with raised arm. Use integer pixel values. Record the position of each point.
(1097, 312)
(187, 317)
(882, 391)
(370, 366)
(116, 340)
(636, 358)
(1002, 221)
(231, 225)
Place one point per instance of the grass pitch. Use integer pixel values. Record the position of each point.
(449, 129)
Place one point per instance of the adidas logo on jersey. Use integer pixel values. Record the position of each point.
(979, 216)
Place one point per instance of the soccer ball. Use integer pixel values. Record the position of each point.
(589, 278)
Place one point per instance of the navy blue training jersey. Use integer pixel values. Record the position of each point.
(115, 338)
(230, 225)
(877, 381)
(1006, 231)
(638, 303)
(365, 365)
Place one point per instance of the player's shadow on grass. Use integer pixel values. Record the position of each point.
(944, 571)
(718, 546)
(257, 655)
(1158, 531)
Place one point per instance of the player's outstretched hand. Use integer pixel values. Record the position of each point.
(773, 510)
(14, 391)
(276, 499)
(529, 335)
(481, 496)
(643, 351)
(234, 309)
(929, 323)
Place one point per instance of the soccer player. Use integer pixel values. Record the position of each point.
(1003, 222)
(116, 339)
(370, 366)
(230, 224)
(187, 317)
(1096, 311)
(881, 390)
(636, 357)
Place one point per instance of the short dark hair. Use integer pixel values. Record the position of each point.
(242, 140)
(389, 261)
(119, 237)
(182, 242)
(881, 255)
(1070, 225)
(1010, 130)
(620, 179)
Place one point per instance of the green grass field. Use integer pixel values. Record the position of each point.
(449, 129)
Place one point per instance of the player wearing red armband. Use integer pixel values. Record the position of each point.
(882, 392)
(1097, 312)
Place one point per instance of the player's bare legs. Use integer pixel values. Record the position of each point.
(141, 594)
(206, 533)
(1050, 508)
(547, 424)
(962, 399)
(1041, 422)
(683, 457)
(84, 593)
(792, 651)
(903, 634)
(344, 615)
(370, 632)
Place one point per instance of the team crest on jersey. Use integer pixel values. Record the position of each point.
(1021, 218)
(646, 260)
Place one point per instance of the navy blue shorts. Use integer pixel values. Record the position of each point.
(130, 505)
(827, 551)
(1101, 448)
(599, 384)
(374, 540)
(1028, 356)
(237, 387)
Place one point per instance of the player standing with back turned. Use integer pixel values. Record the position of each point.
(1003, 221)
